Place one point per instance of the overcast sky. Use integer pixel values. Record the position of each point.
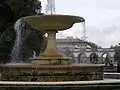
(102, 19)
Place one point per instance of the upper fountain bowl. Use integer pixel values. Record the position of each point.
(52, 22)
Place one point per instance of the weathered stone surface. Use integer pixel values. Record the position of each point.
(53, 73)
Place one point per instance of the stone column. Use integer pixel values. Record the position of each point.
(51, 49)
(51, 55)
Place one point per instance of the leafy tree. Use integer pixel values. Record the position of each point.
(25, 7)
(107, 60)
(6, 16)
(94, 58)
(6, 43)
(117, 56)
(11, 10)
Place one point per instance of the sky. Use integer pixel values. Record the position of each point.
(102, 19)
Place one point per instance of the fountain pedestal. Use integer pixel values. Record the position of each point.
(51, 54)
(51, 24)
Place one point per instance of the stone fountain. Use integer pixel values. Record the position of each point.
(51, 24)
(51, 65)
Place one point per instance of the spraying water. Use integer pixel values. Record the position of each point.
(84, 32)
(21, 52)
(50, 7)
(20, 28)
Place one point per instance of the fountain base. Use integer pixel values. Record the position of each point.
(48, 73)
(50, 60)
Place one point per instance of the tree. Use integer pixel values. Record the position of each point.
(11, 10)
(117, 56)
(6, 16)
(94, 58)
(25, 7)
(108, 61)
(6, 43)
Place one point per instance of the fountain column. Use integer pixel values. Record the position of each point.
(51, 55)
(51, 49)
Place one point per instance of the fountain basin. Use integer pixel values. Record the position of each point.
(47, 73)
(52, 22)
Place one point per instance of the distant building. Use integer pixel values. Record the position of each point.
(80, 51)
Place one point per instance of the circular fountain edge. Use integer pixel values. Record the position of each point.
(47, 73)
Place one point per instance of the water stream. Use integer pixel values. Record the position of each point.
(22, 31)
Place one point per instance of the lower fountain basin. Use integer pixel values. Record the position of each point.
(47, 73)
